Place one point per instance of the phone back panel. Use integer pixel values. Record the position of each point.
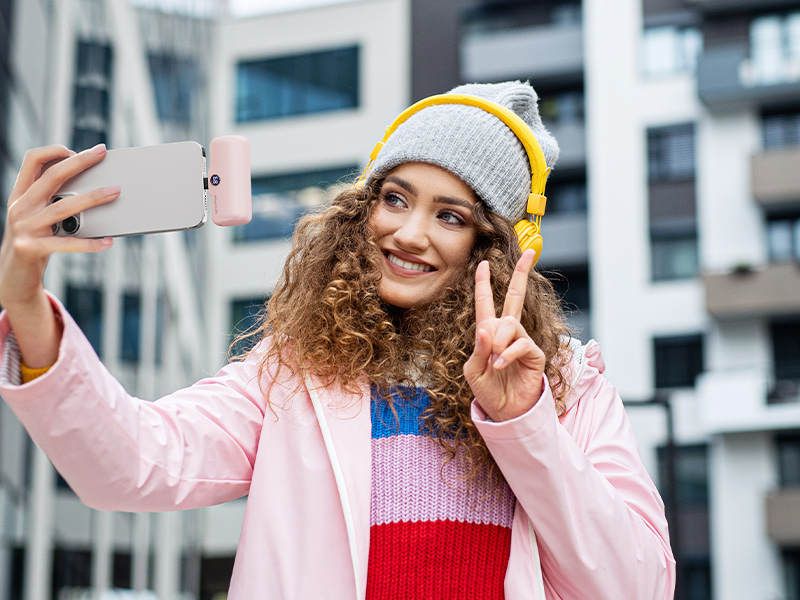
(161, 189)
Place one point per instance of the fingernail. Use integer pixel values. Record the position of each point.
(499, 363)
(99, 149)
(111, 190)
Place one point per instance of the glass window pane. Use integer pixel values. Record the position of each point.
(767, 49)
(298, 84)
(674, 259)
(85, 304)
(786, 349)
(678, 360)
(660, 53)
(670, 153)
(788, 447)
(779, 236)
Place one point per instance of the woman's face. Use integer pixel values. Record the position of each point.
(424, 228)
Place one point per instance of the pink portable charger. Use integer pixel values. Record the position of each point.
(229, 195)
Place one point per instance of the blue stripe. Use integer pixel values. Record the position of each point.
(407, 422)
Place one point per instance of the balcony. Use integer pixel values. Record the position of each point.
(769, 291)
(783, 516)
(728, 78)
(775, 177)
(543, 52)
(735, 401)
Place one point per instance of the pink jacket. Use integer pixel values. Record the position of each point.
(579, 480)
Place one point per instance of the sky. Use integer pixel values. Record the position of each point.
(238, 8)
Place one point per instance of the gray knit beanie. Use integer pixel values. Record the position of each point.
(475, 145)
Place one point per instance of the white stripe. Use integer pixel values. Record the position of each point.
(339, 476)
(537, 563)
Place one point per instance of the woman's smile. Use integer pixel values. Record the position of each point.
(405, 265)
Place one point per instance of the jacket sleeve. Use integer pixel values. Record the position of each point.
(598, 517)
(195, 447)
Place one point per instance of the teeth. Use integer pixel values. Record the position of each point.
(408, 265)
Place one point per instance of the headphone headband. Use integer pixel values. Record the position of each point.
(539, 169)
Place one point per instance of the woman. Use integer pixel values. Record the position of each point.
(395, 437)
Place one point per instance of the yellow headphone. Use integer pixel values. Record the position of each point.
(528, 229)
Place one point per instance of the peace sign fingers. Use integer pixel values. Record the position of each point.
(517, 288)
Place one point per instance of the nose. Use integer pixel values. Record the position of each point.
(413, 235)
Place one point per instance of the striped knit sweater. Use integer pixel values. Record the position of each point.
(431, 537)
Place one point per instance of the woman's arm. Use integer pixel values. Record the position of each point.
(193, 448)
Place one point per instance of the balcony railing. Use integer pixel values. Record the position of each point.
(775, 177)
(735, 401)
(728, 78)
(538, 52)
(783, 516)
(769, 291)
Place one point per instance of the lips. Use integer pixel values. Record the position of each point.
(395, 260)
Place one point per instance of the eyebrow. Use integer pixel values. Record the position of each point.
(411, 189)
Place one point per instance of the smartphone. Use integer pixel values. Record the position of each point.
(162, 188)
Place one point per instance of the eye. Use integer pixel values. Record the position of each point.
(452, 218)
(394, 199)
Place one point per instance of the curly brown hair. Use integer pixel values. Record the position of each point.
(326, 315)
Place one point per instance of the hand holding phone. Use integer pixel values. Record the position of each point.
(161, 189)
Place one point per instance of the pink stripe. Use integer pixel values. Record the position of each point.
(410, 483)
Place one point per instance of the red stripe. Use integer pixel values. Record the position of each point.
(437, 560)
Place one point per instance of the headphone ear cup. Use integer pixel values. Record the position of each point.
(529, 237)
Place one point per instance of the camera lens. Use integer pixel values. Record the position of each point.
(215, 179)
(70, 225)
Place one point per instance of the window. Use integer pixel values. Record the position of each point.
(670, 153)
(678, 360)
(781, 130)
(786, 349)
(93, 62)
(245, 315)
(280, 200)
(673, 219)
(91, 96)
(176, 82)
(791, 572)
(85, 304)
(299, 84)
(774, 48)
(130, 349)
(670, 50)
(572, 285)
(788, 450)
(566, 197)
(689, 519)
(564, 108)
(783, 238)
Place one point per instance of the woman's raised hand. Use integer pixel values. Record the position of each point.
(28, 242)
(506, 368)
